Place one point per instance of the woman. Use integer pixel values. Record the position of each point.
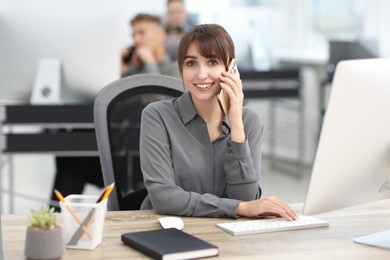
(195, 160)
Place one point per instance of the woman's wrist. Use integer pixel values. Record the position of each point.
(241, 208)
(237, 133)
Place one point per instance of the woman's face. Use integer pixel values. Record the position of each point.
(201, 75)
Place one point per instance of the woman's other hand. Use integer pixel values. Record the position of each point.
(271, 206)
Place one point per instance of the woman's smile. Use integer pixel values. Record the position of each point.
(203, 86)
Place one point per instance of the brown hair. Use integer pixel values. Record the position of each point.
(212, 40)
(170, 1)
(145, 17)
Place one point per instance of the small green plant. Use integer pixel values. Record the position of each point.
(45, 218)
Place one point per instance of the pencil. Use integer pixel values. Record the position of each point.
(106, 192)
(103, 195)
(61, 198)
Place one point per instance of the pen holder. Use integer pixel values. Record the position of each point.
(83, 219)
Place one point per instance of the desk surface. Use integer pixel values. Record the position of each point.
(335, 242)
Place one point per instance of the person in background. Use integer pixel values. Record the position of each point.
(177, 18)
(177, 24)
(148, 54)
(195, 160)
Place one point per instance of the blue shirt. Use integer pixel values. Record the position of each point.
(187, 174)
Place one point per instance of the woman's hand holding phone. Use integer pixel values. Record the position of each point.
(223, 97)
(231, 100)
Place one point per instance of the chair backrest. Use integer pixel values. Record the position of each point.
(117, 117)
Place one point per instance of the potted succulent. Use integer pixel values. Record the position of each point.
(44, 237)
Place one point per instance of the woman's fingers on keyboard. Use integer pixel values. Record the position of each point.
(286, 208)
(271, 206)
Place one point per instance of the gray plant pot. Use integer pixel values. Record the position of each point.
(44, 244)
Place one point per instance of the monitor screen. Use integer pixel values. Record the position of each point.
(352, 164)
(83, 35)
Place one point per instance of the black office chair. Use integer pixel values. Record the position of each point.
(117, 117)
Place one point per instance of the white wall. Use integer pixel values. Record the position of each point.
(377, 24)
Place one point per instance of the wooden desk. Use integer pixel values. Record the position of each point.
(335, 242)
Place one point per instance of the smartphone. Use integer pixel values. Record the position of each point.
(223, 97)
(126, 59)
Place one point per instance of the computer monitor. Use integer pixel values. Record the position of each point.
(352, 164)
(78, 40)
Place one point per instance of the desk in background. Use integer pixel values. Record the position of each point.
(335, 242)
(283, 90)
(282, 83)
(53, 124)
(63, 130)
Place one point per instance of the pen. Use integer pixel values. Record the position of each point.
(61, 198)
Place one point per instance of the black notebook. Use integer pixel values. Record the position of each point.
(169, 243)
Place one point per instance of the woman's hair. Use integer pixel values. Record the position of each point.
(212, 41)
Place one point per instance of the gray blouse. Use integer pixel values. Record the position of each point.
(186, 174)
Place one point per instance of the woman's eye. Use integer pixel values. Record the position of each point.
(213, 62)
(190, 63)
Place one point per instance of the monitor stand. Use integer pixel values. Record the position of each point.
(385, 187)
(47, 85)
(379, 239)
